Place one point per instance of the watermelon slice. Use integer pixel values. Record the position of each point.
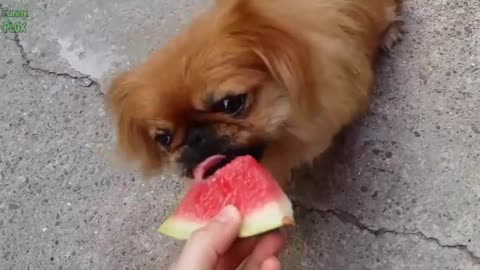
(243, 183)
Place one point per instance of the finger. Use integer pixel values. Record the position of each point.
(207, 245)
(272, 263)
(237, 254)
(268, 246)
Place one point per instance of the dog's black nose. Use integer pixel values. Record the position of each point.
(201, 142)
(199, 136)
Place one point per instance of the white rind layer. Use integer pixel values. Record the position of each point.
(269, 217)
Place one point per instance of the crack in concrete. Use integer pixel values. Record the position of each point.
(351, 219)
(84, 81)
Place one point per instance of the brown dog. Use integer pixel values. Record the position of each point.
(276, 79)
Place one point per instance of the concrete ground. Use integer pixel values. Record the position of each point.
(402, 192)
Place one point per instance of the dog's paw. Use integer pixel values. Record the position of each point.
(393, 35)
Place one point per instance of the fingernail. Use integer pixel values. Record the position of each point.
(228, 214)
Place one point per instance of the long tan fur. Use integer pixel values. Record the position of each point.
(308, 63)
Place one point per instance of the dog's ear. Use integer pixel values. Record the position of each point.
(127, 102)
(285, 55)
(121, 105)
(287, 60)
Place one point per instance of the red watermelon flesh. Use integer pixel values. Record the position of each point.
(243, 183)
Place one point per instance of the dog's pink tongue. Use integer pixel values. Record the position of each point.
(208, 163)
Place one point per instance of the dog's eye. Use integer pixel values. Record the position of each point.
(164, 138)
(232, 105)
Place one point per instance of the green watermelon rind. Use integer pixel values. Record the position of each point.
(271, 216)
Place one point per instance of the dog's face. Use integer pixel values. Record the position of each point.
(222, 88)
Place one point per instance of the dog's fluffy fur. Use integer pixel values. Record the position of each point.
(307, 66)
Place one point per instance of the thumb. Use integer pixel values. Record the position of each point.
(207, 245)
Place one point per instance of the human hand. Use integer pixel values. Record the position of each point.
(215, 247)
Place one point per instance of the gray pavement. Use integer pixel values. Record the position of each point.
(401, 191)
